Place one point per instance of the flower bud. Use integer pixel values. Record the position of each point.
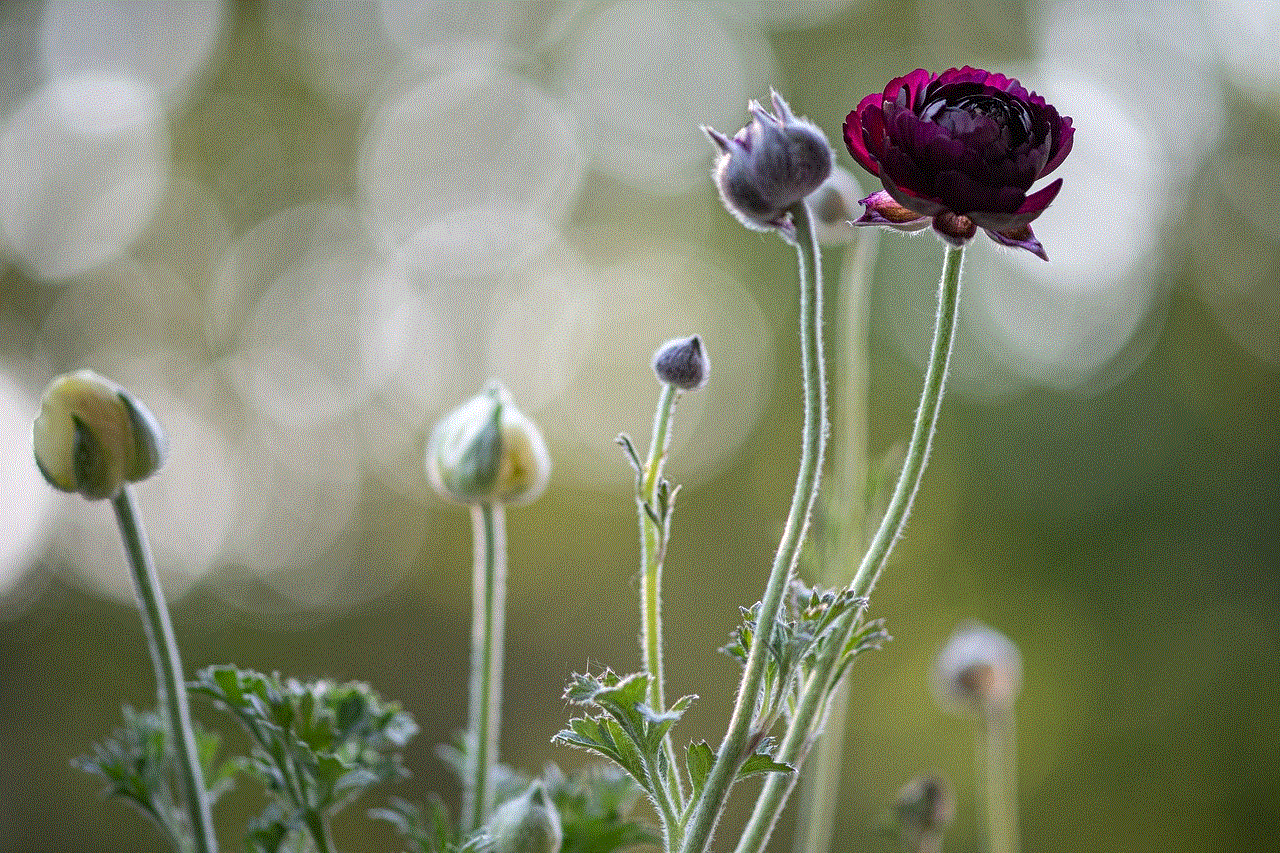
(978, 669)
(683, 362)
(530, 823)
(92, 437)
(487, 451)
(769, 165)
(835, 206)
(925, 805)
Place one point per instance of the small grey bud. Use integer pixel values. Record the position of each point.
(683, 362)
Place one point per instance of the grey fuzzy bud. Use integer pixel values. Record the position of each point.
(683, 362)
(978, 669)
(529, 823)
(770, 165)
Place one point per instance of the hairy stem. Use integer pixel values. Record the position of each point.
(895, 516)
(741, 734)
(653, 547)
(171, 685)
(806, 722)
(489, 582)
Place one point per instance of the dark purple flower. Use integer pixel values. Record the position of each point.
(959, 151)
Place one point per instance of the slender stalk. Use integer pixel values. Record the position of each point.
(895, 516)
(845, 522)
(996, 760)
(488, 600)
(653, 548)
(170, 682)
(741, 734)
(318, 827)
(806, 723)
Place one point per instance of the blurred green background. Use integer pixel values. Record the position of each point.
(302, 231)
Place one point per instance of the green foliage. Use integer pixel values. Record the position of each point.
(316, 746)
(814, 620)
(594, 804)
(628, 731)
(138, 766)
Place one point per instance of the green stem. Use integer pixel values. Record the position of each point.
(845, 522)
(740, 734)
(895, 516)
(996, 745)
(806, 722)
(319, 829)
(171, 685)
(487, 626)
(653, 548)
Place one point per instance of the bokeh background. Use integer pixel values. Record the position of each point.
(302, 231)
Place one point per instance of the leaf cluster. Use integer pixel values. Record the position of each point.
(316, 745)
(814, 625)
(139, 768)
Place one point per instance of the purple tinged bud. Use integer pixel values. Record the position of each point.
(683, 362)
(770, 165)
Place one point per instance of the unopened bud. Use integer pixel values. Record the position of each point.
(92, 436)
(683, 362)
(978, 669)
(925, 805)
(770, 165)
(487, 451)
(835, 206)
(530, 823)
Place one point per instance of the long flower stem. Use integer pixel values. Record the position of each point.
(844, 523)
(895, 516)
(171, 684)
(996, 763)
(653, 548)
(806, 722)
(488, 601)
(740, 735)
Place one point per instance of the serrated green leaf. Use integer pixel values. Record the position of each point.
(698, 760)
(761, 763)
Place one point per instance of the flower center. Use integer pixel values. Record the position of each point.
(956, 111)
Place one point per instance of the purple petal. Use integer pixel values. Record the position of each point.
(1019, 238)
(881, 209)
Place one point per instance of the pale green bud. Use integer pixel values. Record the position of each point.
(92, 436)
(529, 823)
(487, 451)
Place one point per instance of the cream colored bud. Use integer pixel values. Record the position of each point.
(529, 823)
(92, 436)
(487, 451)
(978, 669)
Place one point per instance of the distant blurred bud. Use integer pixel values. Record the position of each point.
(978, 669)
(487, 452)
(93, 437)
(925, 804)
(683, 362)
(835, 206)
(769, 165)
(530, 823)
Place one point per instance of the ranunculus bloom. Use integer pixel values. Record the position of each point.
(959, 151)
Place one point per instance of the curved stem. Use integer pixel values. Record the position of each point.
(653, 548)
(895, 516)
(170, 682)
(806, 722)
(845, 522)
(318, 827)
(488, 599)
(740, 734)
